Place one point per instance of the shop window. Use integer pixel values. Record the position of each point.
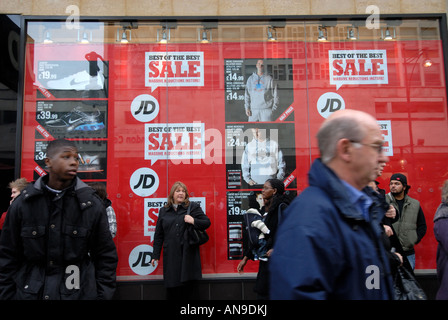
(168, 99)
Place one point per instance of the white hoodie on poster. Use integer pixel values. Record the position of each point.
(262, 160)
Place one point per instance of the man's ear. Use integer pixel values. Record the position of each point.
(47, 162)
(344, 149)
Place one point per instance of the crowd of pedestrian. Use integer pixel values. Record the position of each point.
(342, 238)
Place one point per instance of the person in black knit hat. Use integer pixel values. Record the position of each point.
(410, 225)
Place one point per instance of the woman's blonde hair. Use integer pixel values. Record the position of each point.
(176, 186)
(19, 184)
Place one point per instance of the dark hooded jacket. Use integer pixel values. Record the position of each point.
(325, 248)
(57, 246)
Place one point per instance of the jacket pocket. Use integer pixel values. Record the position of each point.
(75, 242)
(33, 242)
(29, 282)
(408, 235)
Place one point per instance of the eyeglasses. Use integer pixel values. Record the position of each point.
(378, 147)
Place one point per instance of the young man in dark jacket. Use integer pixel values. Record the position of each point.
(56, 242)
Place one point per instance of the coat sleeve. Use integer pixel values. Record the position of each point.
(158, 235)
(245, 166)
(275, 96)
(441, 233)
(281, 164)
(421, 225)
(10, 244)
(105, 258)
(304, 263)
(247, 95)
(201, 221)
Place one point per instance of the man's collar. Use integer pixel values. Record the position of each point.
(359, 199)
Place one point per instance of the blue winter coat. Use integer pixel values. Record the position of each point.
(325, 249)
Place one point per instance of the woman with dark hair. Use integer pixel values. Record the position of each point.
(181, 261)
(275, 202)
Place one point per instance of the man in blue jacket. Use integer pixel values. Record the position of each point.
(329, 243)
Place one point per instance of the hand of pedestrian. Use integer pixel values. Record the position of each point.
(400, 257)
(189, 219)
(388, 231)
(241, 265)
(391, 213)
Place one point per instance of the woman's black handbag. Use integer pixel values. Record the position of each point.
(406, 286)
(195, 236)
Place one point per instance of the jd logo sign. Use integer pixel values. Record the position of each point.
(140, 260)
(328, 103)
(144, 182)
(144, 108)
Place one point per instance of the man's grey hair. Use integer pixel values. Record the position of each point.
(334, 130)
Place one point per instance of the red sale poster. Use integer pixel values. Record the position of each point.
(147, 115)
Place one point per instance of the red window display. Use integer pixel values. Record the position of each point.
(145, 115)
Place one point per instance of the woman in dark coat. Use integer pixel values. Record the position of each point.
(181, 261)
(274, 197)
(441, 234)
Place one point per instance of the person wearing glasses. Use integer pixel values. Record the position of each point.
(329, 244)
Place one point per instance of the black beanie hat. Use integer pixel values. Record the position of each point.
(400, 177)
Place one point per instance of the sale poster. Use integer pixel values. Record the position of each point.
(357, 67)
(222, 118)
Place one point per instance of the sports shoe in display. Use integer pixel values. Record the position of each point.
(78, 81)
(78, 120)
